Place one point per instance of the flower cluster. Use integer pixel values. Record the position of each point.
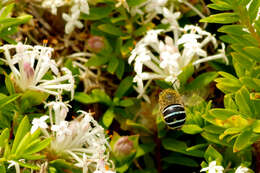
(150, 9)
(81, 140)
(72, 19)
(187, 47)
(214, 168)
(29, 66)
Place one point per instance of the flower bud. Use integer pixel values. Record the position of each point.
(123, 147)
(96, 43)
(28, 71)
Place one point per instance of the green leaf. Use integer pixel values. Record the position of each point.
(33, 156)
(213, 129)
(23, 128)
(191, 129)
(251, 83)
(97, 13)
(236, 30)
(9, 85)
(100, 95)
(97, 60)
(8, 99)
(2, 168)
(242, 141)
(163, 84)
(8, 22)
(126, 103)
(178, 159)
(242, 60)
(186, 73)
(28, 165)
(32, 98)
(108, 117)
(222, 18)
(7, 150)
(180, 147)
(228, 84)
(111, 29)
(96, 96)
(112, 65)
(38, 146)
(4, 120)
(124, 86)
(227, 75)
(202, 80)
(120, 69)
(240, 69)
(221, 6)
(143, 29)
(230, 131)
(222, 114)
(4, 137)
(229, 102)
(137, 126)
(84, 98)
(245, 106)
(214, 138)
(253, 9)
(212, 154)
(23, 143)
(133, 3)
(256, 127)
(142, 149)
(127, 47)
(253, 53)
(6, 10)
(196, 147)
(61, 164)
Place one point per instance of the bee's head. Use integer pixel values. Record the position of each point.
(168, 97)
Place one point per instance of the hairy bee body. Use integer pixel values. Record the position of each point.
(172, 108)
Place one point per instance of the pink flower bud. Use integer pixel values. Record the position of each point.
(28, 70)
(123, 146)
(96, 43)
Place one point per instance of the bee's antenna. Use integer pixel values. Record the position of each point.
(175, 85)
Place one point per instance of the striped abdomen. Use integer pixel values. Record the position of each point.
(174, 115)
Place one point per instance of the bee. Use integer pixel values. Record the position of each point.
(172, 108)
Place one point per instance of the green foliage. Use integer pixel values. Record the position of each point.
(221, 129)
(24, 146)
(238, 119)
(9, 25)
(115, 106)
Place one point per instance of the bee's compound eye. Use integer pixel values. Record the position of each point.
(174, 115)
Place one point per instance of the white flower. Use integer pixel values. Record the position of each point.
(29, 65)
(108, 171)
(53, 5)
(39, 123)
(151, 9)
(72, 20)
(166, 59)
(242, 169)
(213, 168)
(171, 18)
(83, 6)
(15, 164)
(82, 139)
(60, 110)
